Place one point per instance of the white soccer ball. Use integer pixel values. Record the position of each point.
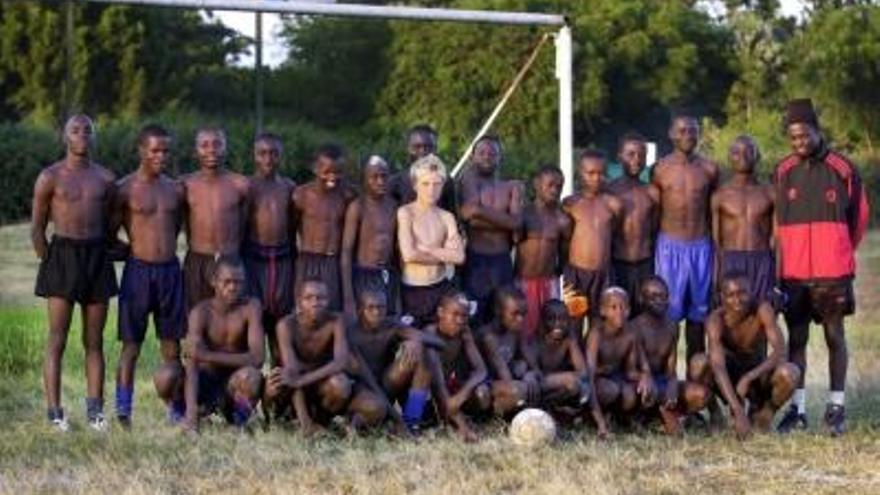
(532, 427)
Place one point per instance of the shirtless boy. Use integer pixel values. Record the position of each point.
(595, 216)
(683, 181)
(753, 382)
(315, 355)
(394, 354)
(429, 242)
(216, 203)
(319, 208)
(742, 223)
(491, 209)
(461, 383)
(564, 377)
(633, 244)
(543, 239)
(516, 382)
(271, 237)
(75, 194)
(620, 382)
(223, 354)
(149, 206)
(368, 241)
(659, 341)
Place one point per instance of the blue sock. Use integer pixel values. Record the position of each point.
(55, 413)
(176, 411)
(241, 411)
(124, 400)
(415, 407)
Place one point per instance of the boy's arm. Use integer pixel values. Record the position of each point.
(43, 190)
(778, 353)
(592, 355)
(478, 366)
(409, 252)
(256, 341)
(494, 358)
(719, 370)
(349, 239)
(341, 354)
(196, 328)
(452, 251)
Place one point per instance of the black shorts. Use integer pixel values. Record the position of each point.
(155, 288)
(77, 270)
(324, 267)
(588, 283)
(198, 270)
(270, 277)
(482, 275)
(817, 302)
(629, 275)
(737, 368)
(758, 266)
(213, 396)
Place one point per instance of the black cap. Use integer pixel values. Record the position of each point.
(800, 111)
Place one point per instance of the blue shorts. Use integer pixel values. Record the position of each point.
(147, 288)
(686, 266)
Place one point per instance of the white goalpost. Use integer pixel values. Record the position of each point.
(563, 44)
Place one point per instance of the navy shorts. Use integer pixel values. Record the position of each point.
(758, 266)
(686, 266)
(483, 274)
(270, 276)
(151, 288)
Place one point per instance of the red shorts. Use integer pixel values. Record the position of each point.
(538, 290)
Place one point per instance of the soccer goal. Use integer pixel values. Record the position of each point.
(563, 44)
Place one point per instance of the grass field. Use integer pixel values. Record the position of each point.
(156, 458)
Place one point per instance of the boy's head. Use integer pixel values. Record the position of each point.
(313, 299)
(736, 293)
(452, 313)
(744, 155)
(632, 153)
(654, 296)
(210, 147)
(486, 155)
(154, 148)
(372, 309)
(510, 309)
(229, 280)
(614, 307)
(421, 141)
(548, 183)
(376, 176)
(428, 175)
(554, 319)
(684, 132)
(267, 152)
(591, 169)
(79, 134)
(327, 165)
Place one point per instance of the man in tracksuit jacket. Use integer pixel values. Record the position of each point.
(822, 214)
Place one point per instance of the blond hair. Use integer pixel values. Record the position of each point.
(427, 164)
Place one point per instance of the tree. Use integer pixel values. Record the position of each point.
(835, 61)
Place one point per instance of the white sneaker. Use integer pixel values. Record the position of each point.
(60, 425)
(98, 423)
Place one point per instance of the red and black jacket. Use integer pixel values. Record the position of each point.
(822, 214)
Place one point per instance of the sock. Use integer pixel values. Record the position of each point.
(836, 397)
(176, 411)
(241, 411)
(799, 399)
(94, 407)
(54, 413)
(415, 407)
(124, 400)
